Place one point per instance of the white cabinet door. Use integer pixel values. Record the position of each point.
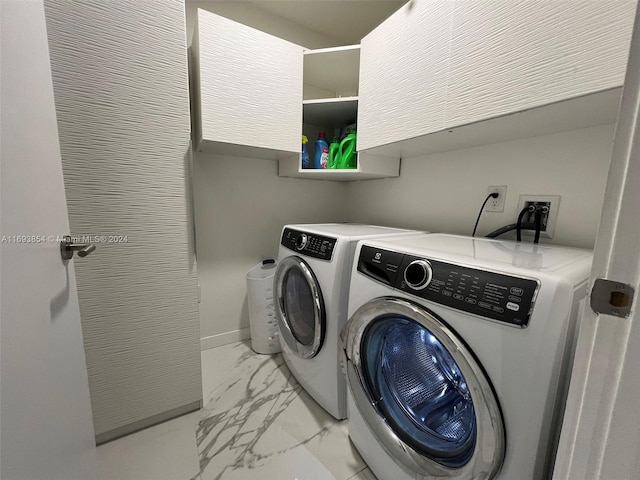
(250, 86)
(512, 55)
(403, 74)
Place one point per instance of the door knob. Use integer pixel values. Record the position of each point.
(67, 247)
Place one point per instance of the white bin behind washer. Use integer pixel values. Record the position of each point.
(265, 337)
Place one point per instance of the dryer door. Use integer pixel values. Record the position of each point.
(422, 393)
(299, 307)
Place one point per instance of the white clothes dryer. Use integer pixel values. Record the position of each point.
(457, 354)
(311, 287)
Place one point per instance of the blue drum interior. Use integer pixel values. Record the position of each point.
(420, 390)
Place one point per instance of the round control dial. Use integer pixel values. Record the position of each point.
(301, 241)
(418, 274)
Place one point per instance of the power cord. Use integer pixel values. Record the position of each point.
(538, 220)
(538, 213)
(491, 195)
(505, 229)
(523, 212)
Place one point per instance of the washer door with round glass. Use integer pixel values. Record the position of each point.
(299, 307)
(422, 392)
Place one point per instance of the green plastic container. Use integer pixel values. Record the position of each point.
(334, 154)
(347, 153)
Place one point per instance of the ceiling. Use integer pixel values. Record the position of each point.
(345, 20)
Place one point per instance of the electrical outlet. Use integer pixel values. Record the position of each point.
(496, 204)
(548, 222)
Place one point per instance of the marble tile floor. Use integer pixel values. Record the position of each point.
(164, 452)
(257, 423)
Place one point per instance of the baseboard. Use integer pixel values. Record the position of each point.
(147, 422)
(213, 341)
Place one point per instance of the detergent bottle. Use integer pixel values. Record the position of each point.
(347, 152)
(334, 150)
(321, 158)
(305, 153)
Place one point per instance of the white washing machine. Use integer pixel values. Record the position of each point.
(311, 287)
(457, 353)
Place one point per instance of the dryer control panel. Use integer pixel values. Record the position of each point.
(485, 293)
(309, 244)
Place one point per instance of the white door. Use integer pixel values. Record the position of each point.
(601, 433)
(428, 403)
(45, 411)
(299, 307)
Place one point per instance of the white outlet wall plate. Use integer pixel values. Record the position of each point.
(554, 204)
(496, 204)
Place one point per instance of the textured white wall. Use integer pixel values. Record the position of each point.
(121, 91)
(443, 192)
(241, 207)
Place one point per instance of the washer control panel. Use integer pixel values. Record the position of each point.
(309, 244)
(497, 296)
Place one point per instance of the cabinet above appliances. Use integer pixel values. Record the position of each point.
(449, 74)
(435, 76)
(247, 97)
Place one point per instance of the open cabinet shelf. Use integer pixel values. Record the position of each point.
(369, 167)
(331, 72)
(330, 113)
(331, 79)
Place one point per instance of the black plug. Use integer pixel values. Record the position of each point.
(491, 195)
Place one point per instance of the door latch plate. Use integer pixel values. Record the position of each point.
(611, 298)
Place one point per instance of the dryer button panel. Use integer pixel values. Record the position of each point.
(309, 244)
(492, 295)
